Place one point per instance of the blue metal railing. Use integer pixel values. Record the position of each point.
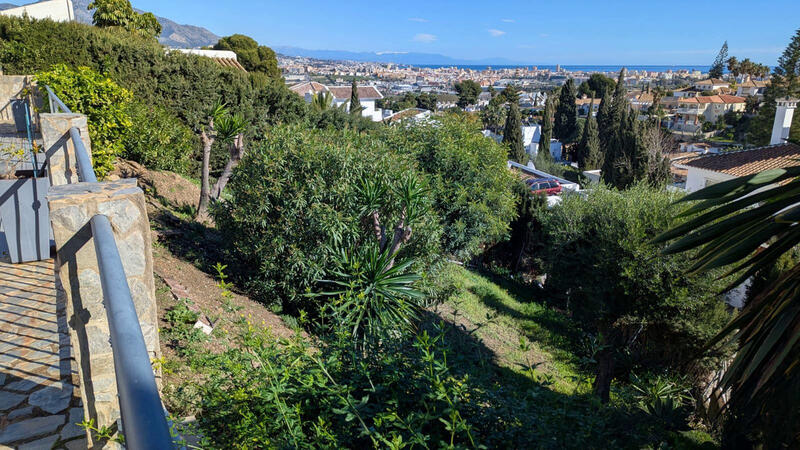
(56, 105)
(143, 416)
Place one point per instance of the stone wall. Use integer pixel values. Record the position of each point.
(11, 86)
(71, 208)
(72, 205)
(62, 165)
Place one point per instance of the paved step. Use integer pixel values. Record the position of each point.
(40, 402)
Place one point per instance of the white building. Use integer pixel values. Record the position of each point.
(704, 171)
(711, 84)
(707, 170)
(367, 95)
(56, 10)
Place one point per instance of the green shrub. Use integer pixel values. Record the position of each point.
(470, 182)
(602, 267)
(291, 396)
(158, 140)
(297, 196)
(103, 102)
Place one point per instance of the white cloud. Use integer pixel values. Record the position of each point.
(425, 38)
(496, 33)
(508, 20)
(418, 19)
(544, 35)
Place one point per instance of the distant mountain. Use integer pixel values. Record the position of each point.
(390, 57)
(172, 34)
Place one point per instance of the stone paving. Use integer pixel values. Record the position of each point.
(40, 404)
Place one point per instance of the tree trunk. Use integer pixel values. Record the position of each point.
(202, 207)
(237, 152)
(605, 373)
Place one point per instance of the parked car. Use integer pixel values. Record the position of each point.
(545, 186)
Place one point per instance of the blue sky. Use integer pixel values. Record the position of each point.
(527, 31)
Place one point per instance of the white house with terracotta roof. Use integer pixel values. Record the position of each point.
(752, 87)
(710, 107)
(225, 58)
(367, 95)
(712, 84)
(704, 171)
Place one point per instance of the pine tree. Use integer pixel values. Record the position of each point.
(547, 131)
(785, 82)
(566, 115)
(512, 134)
(355, 103)
(718, 67)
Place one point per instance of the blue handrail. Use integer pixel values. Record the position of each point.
(143, 417)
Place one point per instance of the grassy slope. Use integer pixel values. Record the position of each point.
(518, 330)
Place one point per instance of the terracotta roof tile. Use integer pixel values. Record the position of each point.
(364, 92)
(747, 162)
(723, 98)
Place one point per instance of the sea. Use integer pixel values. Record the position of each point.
(575, 68)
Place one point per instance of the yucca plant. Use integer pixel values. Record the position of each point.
(371, 293)
(746, 224)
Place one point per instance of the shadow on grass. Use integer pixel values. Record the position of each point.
(536, 320)
(509, 409)
(517, 410)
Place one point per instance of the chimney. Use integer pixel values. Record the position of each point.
(783, 120)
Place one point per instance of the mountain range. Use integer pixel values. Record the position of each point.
(411, 58)
(172, 34)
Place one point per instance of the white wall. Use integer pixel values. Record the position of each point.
(57, 10)
(699, 178)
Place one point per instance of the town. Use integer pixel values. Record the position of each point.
(421, 240)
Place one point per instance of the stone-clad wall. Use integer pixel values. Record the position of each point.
(62, 166)
(71, 208)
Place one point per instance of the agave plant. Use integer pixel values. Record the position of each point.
(747, 224)
(661, 397)
(371, 294)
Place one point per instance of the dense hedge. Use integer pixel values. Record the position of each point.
(184, 84)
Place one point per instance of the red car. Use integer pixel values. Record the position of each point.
(545, 186)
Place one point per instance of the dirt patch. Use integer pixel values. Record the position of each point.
(207, 296)
(163, 186)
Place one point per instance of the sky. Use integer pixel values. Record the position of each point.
(525, 31)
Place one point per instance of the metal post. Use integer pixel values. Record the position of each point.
(144, 422)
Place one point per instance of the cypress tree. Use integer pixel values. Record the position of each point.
(637, 150)
(566, 115)
(547, 131)
(594, 153)
(589, 152)
(355, 103)
(512, 134)
(605, 118)
(616, 165)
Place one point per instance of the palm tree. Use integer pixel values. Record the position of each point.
(747, 224)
